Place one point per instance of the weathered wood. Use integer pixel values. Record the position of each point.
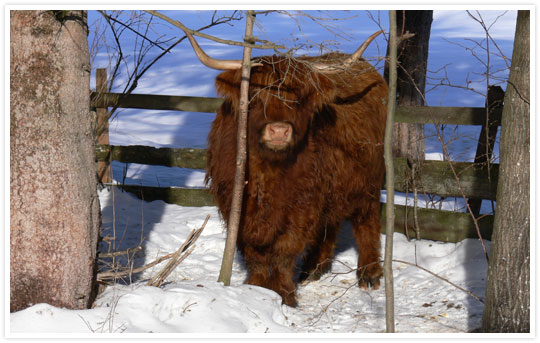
(157, 102)
(438, 225)
(194, 197)
(436, 177)
(404, 114)
(446, 115)
(102, 127)
(486, 141)
(172, 157)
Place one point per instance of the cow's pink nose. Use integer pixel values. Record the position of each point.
(279, 131)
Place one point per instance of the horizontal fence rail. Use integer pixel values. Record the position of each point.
(446, 115)
(156, 102)
(404, 114)
(436, 176)
(170, 157)
(447, 226)
(473, 181)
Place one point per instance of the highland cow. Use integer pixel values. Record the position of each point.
(315, 157)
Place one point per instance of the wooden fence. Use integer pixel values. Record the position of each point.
(473, 181)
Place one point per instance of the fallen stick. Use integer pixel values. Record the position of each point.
(177, 256)
(113, 274)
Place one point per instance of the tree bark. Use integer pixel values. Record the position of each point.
(54, 208)
(412, 60)
(507, 306)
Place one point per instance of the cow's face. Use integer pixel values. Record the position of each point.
(277, 130)
(284, 96)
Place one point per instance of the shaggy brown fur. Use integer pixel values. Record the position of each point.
(321, 164)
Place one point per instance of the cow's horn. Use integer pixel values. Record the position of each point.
(349, 61)
(212, 62)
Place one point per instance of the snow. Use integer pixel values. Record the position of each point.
(192, 301)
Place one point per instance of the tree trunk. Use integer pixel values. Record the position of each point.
(507, 307)
(54, 209)
(408, 139)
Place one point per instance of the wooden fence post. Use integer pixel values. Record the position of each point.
(102, 130)
(486, 141)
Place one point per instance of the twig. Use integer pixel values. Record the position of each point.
(109, 17)
(451, 165)
(113, 274)
(174, 262)
(350, 270)
(177, 256)
(216, 39)
(327, 306)
(441, 278)
(469, 210)
(120, 253)
(133, 77)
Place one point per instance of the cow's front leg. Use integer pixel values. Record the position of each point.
(281, 279)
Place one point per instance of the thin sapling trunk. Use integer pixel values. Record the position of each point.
(389, 164)
(241, 156)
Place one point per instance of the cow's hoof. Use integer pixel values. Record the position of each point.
(370, 277)
(290, 301)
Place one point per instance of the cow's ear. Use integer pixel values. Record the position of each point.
(228, 86)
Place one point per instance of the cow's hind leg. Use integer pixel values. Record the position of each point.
(318, 259)
(367, 229)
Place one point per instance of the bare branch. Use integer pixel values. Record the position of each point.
(109, 17)
(441, 278)
(120, 253)
(216, 39)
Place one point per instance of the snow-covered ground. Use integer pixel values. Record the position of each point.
(192, 301)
